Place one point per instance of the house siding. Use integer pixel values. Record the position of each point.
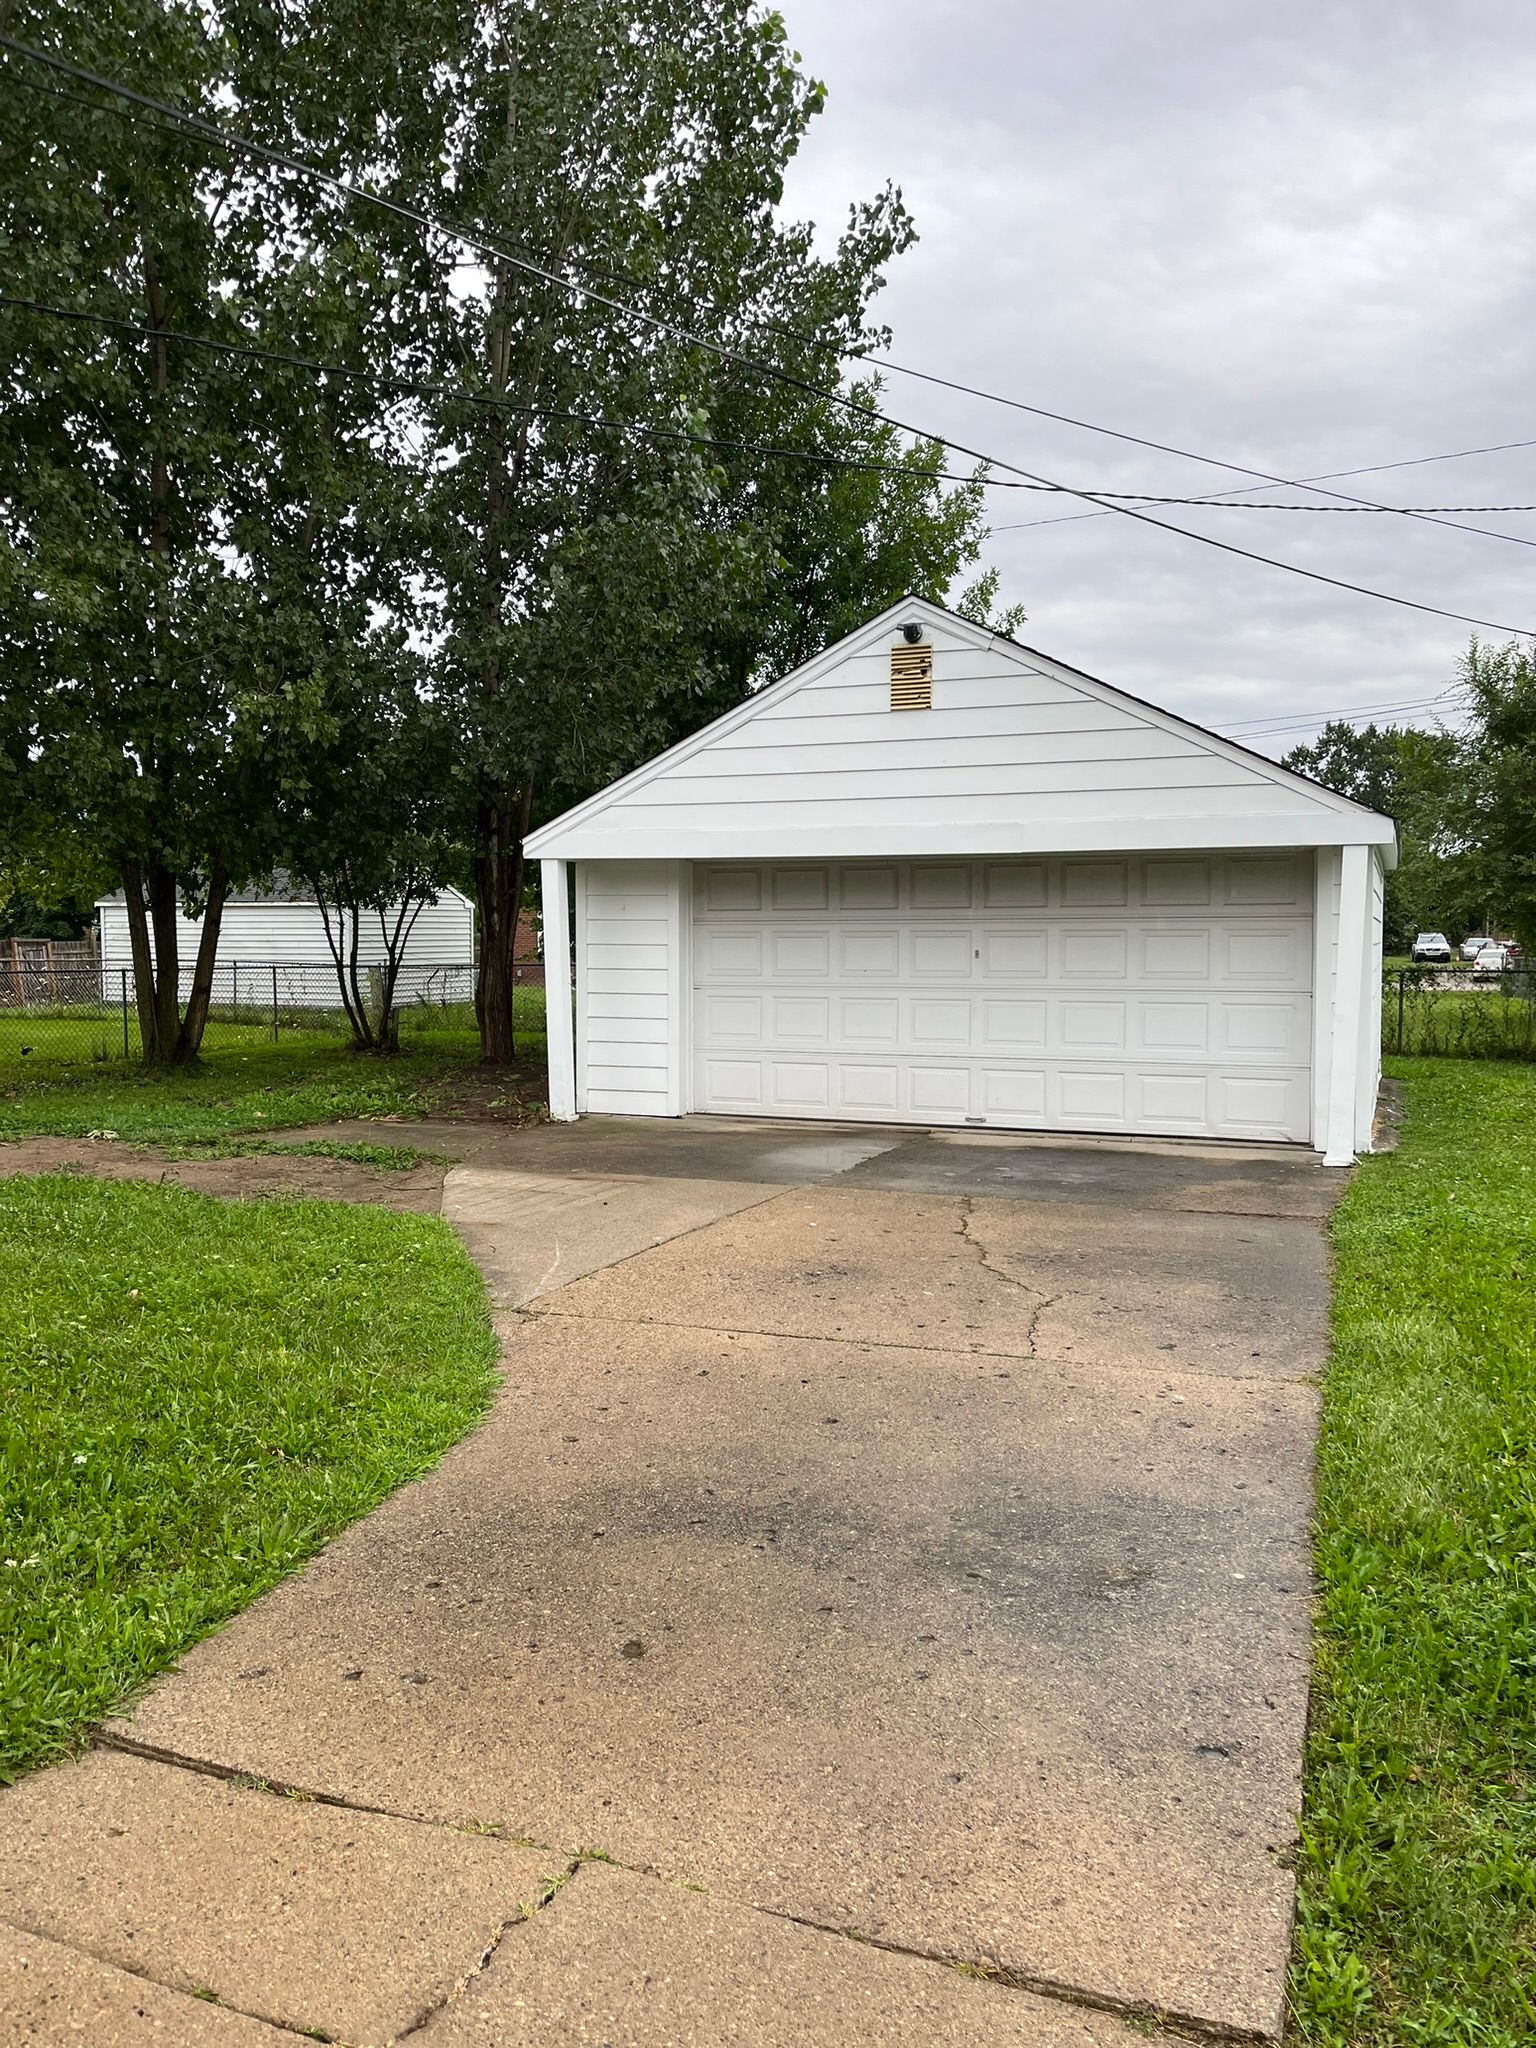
(293, 933)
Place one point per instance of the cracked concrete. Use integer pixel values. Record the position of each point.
(925, 1565)
(1043, 1301)
(297, 1913)
(627, 1963)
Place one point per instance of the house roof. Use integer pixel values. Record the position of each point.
(1021, 753)
(281, 887)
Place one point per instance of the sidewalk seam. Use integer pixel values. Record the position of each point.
(71, 1946)
(532, 1313)
(1173, 2025)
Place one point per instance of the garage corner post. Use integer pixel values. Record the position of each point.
(1350, 981)
(558, 1019)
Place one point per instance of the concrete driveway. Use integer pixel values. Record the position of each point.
(879, 1535)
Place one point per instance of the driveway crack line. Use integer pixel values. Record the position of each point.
(247, 1780)
(1168, 2022)
(1042, 1300)
(524, 1307)
(548, 1891)
(1171, 2025)
(532, 1313)
(298, 2029)
(567, 1315)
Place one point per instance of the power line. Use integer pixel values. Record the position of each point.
(1216, 498)
(419, 388)
(1272, 728)
(497, 246)
(229, 139)
(1186, 454)
(1323, 476)
(1352, 710)
(413, 387)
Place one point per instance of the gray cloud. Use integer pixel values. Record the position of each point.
(1298, 238)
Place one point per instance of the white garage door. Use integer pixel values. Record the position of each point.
(1165, 993)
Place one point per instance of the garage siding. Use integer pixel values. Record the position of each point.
(1016, 752)
(629, 962)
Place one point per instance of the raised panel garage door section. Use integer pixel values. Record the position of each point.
(1167, 994)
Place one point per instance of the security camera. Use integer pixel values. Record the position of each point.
(911, 634)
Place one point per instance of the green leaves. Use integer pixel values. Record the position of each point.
(251, 612)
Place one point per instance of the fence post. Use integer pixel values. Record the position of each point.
(123, 977)
(274, 1002)
(1401, 980)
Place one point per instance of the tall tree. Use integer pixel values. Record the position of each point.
(209, 560)
(1498, 792)
(599, 585)
(1416, 777)
(184, 568)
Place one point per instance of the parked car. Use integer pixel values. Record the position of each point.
(1492, 958)
(1432, 949)
(1470, 948)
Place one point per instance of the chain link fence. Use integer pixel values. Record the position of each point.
(59, 1013)
(1457, 1013)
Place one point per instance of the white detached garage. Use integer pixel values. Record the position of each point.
(934, 877)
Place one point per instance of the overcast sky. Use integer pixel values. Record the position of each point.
(1299, 238)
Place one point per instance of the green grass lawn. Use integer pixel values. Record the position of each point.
(244, 1084)
(1418, 1867)
(194, 1395)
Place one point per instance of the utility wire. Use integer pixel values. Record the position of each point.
(1204, 498)
(413, 387)
(226, 138)
(1257, 728)
(1324, 476)
(419, 388)
(1186, 454)
(1447, 685)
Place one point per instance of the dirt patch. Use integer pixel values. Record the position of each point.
(259, 1176)
(499, 1095)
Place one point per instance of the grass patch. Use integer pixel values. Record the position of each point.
(1418, 1866)
(382, 1158)
(226, 1095)
(194, 1396)
(244, 1084)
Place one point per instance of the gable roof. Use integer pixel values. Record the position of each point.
(1020, 753)
(280, 887)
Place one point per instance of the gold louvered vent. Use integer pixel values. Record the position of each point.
(912, 678)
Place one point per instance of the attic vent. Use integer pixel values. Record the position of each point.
(912, 678)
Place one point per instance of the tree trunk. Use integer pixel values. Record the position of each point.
(337, 944)
(499, 835)
(189, 1039)
(143, 958)
(167, 973)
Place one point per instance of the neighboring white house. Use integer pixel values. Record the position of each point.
(280, 926)
(934, 877)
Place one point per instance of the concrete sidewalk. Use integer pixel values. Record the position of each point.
(920, 1563)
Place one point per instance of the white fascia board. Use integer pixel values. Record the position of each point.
(768, 841)
(553, 838)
